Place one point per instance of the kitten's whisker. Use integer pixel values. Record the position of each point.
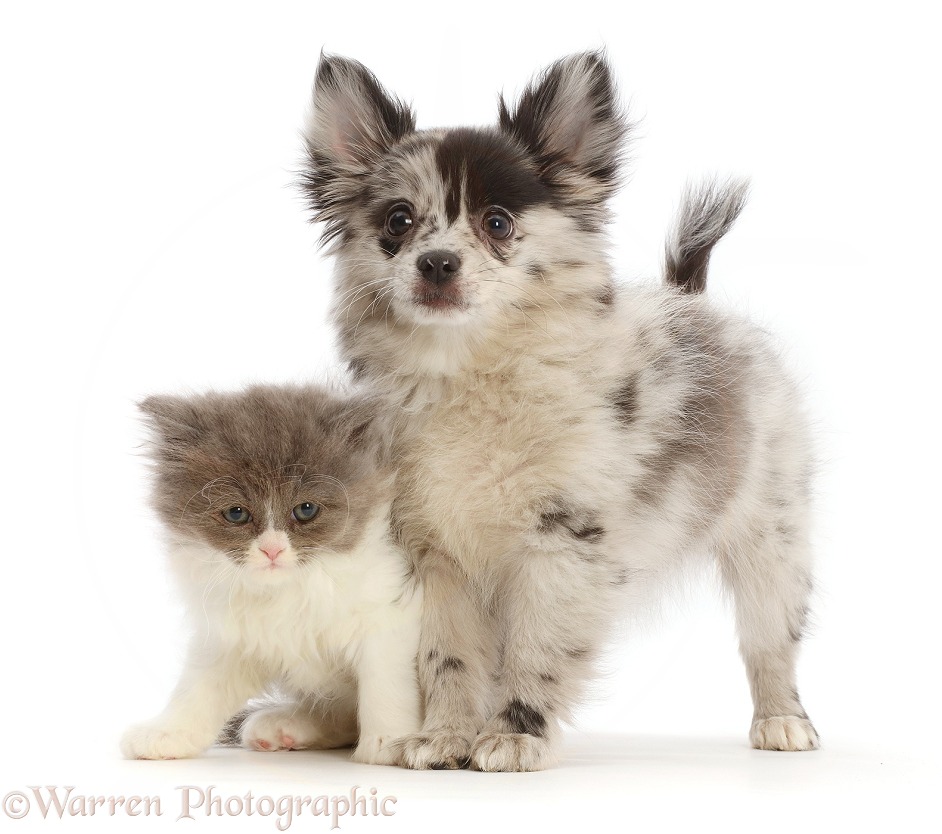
(215, 579)
(204, 490)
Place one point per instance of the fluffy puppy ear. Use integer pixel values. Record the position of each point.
(353, 122)
(570, 121)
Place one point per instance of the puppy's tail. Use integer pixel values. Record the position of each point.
(707, 212)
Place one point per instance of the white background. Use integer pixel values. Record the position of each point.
(151, 241)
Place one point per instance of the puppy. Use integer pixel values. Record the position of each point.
(564, 442)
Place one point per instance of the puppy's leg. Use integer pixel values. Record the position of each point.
(769, 573)
(556, 603)
(455, 661)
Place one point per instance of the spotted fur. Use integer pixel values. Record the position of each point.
(564, 442)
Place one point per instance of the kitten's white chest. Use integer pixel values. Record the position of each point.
(304, 629)
(309, 629)
(293, 636)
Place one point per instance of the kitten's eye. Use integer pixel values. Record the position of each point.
(399, 220)
(498, 225)
(305, 512)
(237, 515)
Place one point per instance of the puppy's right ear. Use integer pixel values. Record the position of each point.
(353, 123)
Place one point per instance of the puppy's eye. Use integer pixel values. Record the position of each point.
(498, 225)
(237, 515)
(305, 512)
(398, 221)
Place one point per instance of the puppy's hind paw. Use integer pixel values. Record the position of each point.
(435, 751)
(509, 752)
(783, 732)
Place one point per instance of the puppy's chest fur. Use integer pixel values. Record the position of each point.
(494, 451)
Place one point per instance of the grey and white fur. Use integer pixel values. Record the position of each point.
(276, 503)
(564, 442)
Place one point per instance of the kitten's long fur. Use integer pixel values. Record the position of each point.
(563, 441)
(324, 608)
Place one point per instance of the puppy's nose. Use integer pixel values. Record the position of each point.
(439, 266)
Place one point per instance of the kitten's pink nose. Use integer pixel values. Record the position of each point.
(273, 551)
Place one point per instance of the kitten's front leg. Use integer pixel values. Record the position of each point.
(555, 606)
(455, 661)
(389, 702)
(210, 691)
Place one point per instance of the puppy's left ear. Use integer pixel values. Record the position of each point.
(570, 121)
(354, 121)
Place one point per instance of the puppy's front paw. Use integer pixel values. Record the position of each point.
(783, 732)
(435, 751)
(378, 750)
(505, 752)
(280, 728)
(158, 741)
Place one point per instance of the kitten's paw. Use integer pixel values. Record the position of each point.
(157, 741)
(378, 750)
(783, 732)
(505, 752)
(435, 751)
(280, 728)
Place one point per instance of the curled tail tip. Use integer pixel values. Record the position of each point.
(707, 212)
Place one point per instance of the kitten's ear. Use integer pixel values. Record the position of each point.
(172, 418)
(570, 121)
(353, 123)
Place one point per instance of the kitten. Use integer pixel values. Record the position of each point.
(276, 504)
(563, 442)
